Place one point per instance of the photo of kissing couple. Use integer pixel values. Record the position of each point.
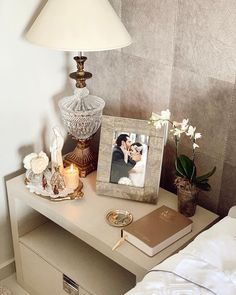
(129, 157)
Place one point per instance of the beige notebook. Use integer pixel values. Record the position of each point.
(157, 230)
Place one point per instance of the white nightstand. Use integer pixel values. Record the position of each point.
(72, 238)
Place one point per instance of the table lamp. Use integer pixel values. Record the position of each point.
(80, 25)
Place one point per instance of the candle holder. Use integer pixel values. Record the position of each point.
(71, 177)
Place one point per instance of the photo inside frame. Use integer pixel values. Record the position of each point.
(129, 158)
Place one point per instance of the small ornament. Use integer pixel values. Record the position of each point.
(57, 181)
(55, 190)
(56, 146)
(44, 182)
(36, 162)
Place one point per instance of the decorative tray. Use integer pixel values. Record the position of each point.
(46, 192)
(119, 217)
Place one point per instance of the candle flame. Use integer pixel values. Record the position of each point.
(71, 167)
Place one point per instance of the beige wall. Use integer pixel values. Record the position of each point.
(32, 81)
(183, 57)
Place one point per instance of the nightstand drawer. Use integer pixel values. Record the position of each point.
(40, 276)
(81, 264)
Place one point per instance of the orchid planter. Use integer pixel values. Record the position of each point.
(187, 182)
(187, 197)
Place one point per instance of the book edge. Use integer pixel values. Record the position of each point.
(151, 251)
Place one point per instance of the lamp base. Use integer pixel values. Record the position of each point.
(83, 156)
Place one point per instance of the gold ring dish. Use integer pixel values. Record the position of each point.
(119, 217)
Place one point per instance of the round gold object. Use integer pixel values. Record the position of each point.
(119, 217)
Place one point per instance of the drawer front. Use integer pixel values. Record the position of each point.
(39, 276)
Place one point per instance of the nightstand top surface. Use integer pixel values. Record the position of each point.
(85, 218)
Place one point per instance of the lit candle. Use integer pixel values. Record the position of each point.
(71, 176)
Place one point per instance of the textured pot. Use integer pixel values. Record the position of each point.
(187, 201)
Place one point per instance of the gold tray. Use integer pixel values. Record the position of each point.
(77, 194)
(119, 217)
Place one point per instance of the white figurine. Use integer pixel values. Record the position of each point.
(39, 178)
(36, 162)
(56, 150)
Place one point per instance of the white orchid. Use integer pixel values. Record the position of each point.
(165, 115)
(176, 124)
(160, 120)
(155, 117)
(185, 167)
(197, 135)
(36, 162)
(191, 131)
(178, 128)
(184, 125)
(177, 132)
(195, 145)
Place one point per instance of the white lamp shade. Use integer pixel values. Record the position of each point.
(79, 25)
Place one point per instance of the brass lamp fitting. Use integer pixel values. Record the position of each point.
(80, 76)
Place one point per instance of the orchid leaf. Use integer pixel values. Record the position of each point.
(193, 176)
(179, 169)
(185, 166)
(203, 181)
(206, 176)
(205, 186)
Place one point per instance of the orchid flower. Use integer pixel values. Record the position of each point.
(197, 135)
(160, 120)
(191, 131)
(184, 125)
(195, 145)
(155, 117)
(178, 128)
(176, 132)
(165, 115)
(176, 124)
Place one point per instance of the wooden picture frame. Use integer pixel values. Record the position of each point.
(156, 138)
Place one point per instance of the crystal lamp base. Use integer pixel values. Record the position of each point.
(82, 114)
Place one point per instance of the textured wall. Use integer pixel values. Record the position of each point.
(183, 57)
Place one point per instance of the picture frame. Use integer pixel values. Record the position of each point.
(105, 185)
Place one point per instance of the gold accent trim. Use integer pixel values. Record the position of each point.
(83, 156)
(80, 76)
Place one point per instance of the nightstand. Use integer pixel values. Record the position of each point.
(72, 240)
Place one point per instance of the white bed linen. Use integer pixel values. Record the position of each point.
(205, 266)
(164, 283)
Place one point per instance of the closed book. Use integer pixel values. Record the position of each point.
(157, 230)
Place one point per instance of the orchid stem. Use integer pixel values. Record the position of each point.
(193, 152)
